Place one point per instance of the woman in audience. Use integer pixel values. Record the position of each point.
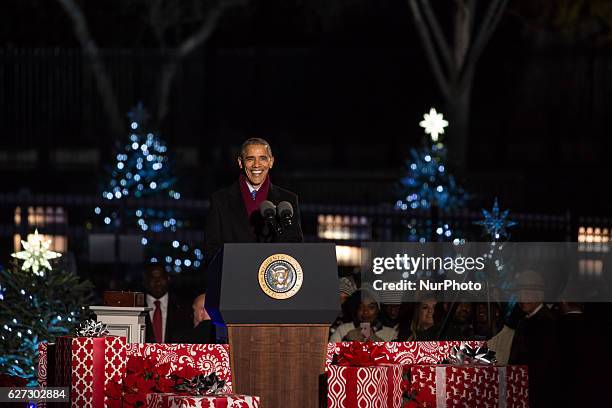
(366, 325)
(422, 324)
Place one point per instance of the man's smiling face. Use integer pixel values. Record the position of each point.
(255, 162)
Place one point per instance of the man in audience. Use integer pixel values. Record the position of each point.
(202, 331)
(168, 319)
(460, 326)
(488, 320)
(534, 342)
(584, 352)
(391, 302)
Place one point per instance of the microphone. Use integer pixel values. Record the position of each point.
(267, 209)
(285, 213)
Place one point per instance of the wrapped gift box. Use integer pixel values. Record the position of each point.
(123, 299)
(89, 365)
(373, 387)
(188, 401)
(45, 367)
(445, 386)
(410, 352)
(206, 358)
(46, 364)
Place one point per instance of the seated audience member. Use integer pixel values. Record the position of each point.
(459, 326)
(168, 319)
(579, 339)
(487, 320)
(367, 311)
(421, 326)
(534, 342)
(202, 330)
(347, 288)
(391, 302)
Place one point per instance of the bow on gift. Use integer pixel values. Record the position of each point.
(91, 328)
(358, 354)
(201, 385)
(467, 355)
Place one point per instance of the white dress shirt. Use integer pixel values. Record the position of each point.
(163, 305)
(251, 188)
(536, 310)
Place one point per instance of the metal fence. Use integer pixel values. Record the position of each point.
(346, 225)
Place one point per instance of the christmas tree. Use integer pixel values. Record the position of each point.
(143, 168)
(427, 182)
(37, 303)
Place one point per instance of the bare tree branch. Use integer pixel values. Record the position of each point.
(463, 23)
(430, 50)
(103, 82)
(487, 28)
(467, 48)
(156, 22)
(438, 36)
(188, 46)
(206, 29)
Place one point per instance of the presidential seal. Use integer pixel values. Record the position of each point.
(280, 276)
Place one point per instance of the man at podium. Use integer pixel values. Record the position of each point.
(252, 209)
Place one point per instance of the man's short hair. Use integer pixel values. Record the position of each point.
(255, 141)
(149, 268)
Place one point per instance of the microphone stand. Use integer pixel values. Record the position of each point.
(274, 226)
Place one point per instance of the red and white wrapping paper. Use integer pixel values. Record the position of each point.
(207, 358)
(371, 387)
(410, 352)
(45, 367)
(445, 386)
(42, 364)
(89, 365)
(188, 401)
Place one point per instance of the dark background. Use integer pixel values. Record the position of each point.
(337, 89)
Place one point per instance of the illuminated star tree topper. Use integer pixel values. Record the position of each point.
(36, 254)
(496, 222)
(434, 124)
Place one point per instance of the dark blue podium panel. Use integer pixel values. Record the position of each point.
(235, 295)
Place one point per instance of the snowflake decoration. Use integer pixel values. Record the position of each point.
(434, 124)
(36, 254)
(496, 222)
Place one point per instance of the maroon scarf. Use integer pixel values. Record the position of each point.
(262, 194)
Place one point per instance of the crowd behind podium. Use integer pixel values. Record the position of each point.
(564, 344)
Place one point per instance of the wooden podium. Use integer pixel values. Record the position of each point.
(277, 346)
